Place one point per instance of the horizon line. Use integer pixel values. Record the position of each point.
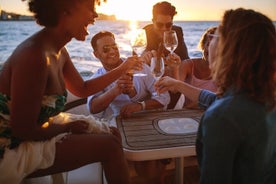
(187, 20)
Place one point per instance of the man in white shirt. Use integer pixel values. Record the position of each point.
(126, 95)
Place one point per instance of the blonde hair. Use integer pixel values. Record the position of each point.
(205, 41)
(204, 38)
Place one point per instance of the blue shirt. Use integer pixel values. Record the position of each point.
(236, 141)
(206, 98)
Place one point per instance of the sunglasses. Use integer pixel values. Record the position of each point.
(167, 25)
(106, 48)
(210, 36)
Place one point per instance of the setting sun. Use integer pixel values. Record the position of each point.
(186, 10)
(128, 10)
(142, 9)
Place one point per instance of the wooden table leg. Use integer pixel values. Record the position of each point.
(179, 170)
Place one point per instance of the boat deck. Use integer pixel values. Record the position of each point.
(92, 173)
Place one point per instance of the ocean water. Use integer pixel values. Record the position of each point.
(14, 32)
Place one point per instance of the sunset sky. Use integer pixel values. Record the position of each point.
(187, 9)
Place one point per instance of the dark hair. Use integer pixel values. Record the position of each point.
(164, 8)
(247, 55)
(98, 36)
(47, 12)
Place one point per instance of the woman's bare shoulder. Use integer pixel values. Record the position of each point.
(28, 56)
(186, 64)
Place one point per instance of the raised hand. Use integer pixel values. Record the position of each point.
(173, 60)
(125, 84)
(166, 84)
(147, 55)
(131, 64)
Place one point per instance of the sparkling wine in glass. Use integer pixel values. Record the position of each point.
(170, 40)
(138, 43)
(157, 68)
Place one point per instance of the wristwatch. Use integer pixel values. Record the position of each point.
(143, 104)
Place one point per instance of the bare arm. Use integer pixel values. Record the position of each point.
(185, 69)
(101, 102)
(169, 84)
(128, 109)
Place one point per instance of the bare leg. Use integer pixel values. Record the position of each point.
(151, 171)
(81, 149)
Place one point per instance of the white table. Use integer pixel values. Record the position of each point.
(144, 140)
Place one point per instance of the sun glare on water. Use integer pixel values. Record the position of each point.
(133, 25)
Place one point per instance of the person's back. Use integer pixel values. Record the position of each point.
(236, 140)
(245, 129)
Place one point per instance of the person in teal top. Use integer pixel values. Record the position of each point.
(33, 85)
(232, 140)
(236, 141)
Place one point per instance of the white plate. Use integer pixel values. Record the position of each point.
(178, 125)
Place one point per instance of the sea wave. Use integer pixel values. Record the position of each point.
(14, 32)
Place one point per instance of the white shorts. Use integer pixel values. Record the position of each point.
(30, 156)
(19, 162)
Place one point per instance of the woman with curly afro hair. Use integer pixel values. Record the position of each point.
(33, 87)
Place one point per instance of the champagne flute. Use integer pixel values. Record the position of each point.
(138, 43)
(157, 68)
(170, 40)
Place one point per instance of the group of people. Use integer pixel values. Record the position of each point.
(234, 81)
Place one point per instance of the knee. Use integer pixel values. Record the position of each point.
(114, 145)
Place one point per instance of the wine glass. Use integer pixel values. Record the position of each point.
(170, 40)
(138, 43)
(157, 68)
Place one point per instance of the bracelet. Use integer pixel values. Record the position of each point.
(143, 104)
